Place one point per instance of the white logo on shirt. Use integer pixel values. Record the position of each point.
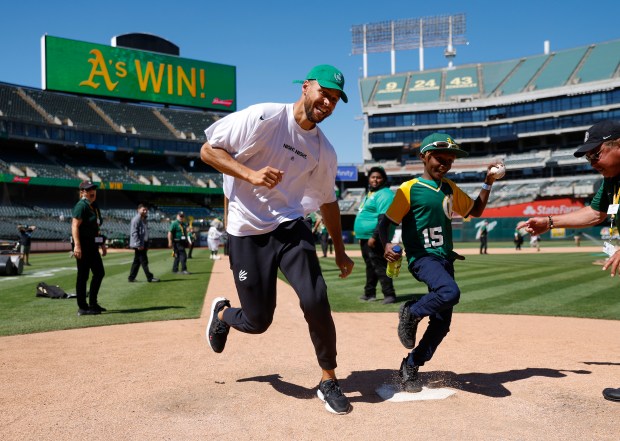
(243, 275)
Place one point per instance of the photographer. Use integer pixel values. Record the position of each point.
(25, 239)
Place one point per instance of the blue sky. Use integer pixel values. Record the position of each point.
(273, 43)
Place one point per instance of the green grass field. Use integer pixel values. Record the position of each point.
(534, 284)
(566, 284)
(175, 297)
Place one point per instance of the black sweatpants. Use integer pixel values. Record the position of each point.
(255, 260)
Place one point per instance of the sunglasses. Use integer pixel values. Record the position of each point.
(441, 145)
(594, 157)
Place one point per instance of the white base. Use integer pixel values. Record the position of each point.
(394, 394)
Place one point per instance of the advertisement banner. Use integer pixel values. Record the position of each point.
(550, 207)
(120, 73)
(346, 173)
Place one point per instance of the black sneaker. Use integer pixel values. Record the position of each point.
(97, 309)
(154, 280)
(389, 299)
(407, 325)
(82, 311)
(409, 377)
(217, 330)
(368, 298)
(335, 401)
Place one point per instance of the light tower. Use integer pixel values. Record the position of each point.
(411, 33)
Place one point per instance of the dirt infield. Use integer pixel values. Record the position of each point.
(515, 378)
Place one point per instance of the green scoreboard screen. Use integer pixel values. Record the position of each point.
(114, 72)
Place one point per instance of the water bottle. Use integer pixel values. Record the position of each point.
(393, 268)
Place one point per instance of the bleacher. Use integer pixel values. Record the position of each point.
(70, 110)
(559, 69)
(55, 223)
(350, 200)
(189, 122)
(14, 106)
(600, 64)
(494, 73)
(136, 119)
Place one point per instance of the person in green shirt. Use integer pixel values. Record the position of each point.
(87, 240)
(371, 210)
(425, 207)
(178, 241)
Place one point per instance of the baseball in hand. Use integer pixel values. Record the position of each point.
(498, 171)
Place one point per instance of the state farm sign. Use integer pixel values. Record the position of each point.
(550, 207)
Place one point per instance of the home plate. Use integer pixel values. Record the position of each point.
(396, 395)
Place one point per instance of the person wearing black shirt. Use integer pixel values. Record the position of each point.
(87, 240)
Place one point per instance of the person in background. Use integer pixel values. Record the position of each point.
(371, 211)
(484, 235)
(535, 241)
(25, 241)
(191, 240)
(321, 230)
(87, 241)
(278, 166)
(214, 236)
(518, 238)
(601, 148)
(425, 206)
(177, 240)
(139, 241)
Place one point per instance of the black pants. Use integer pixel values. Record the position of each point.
(191, 248)
(375, 271)
(255, 260)
(324, 243)
(483, 244)
(180, 256)
(140, 258)
(90, 261)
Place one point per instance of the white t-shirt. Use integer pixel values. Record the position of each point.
(268, 135)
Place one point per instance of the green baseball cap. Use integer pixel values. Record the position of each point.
(442, 142)
(329, 77)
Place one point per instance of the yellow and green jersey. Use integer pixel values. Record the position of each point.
(425, 209)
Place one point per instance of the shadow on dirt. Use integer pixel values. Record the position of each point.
(361, 386)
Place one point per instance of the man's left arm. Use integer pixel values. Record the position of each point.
(331, 218)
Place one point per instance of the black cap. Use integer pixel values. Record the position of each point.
(87, 185)
(181, 214)
(599, 133)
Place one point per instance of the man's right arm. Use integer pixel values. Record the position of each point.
(223, 162)
(585, 217)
